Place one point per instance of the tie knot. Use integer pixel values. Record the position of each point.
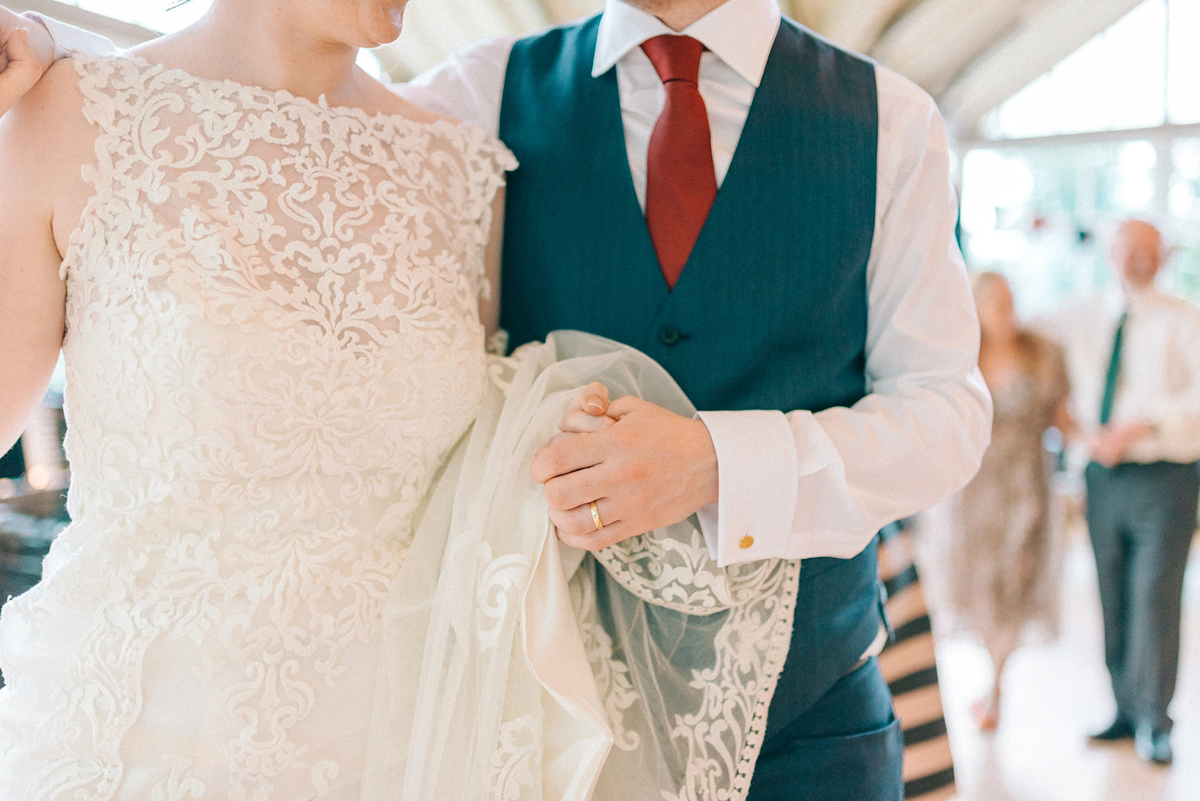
(675, 58)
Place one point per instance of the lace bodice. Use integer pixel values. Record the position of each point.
(272, 342)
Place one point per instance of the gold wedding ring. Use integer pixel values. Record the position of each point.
(596, 516)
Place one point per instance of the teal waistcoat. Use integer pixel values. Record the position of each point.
(771, 309)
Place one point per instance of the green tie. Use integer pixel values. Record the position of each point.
(1114, 372)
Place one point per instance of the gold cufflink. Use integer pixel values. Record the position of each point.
(746, 543)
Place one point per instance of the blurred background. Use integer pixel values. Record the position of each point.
(1066, 116)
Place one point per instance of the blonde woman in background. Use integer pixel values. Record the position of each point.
(1002, 552)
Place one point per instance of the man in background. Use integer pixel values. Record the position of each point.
(1134, 363)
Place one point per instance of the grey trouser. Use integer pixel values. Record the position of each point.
(1141, 518)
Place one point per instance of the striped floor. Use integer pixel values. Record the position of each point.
(908, 666)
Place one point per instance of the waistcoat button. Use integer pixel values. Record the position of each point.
(669, 335)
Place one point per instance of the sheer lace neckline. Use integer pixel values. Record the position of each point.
(280, 98)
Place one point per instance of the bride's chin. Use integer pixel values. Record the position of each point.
(386, 29)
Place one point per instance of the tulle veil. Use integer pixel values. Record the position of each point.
(515, 668)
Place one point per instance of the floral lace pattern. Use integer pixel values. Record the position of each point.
(273, 342)
(717, 734)
(516, 768)
(680, 574)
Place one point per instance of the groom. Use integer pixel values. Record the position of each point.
(772, 220)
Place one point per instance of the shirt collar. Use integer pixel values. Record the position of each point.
(740, 33)
(1134, 300)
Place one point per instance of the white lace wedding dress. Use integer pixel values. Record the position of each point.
(272, 343)
(289, 575)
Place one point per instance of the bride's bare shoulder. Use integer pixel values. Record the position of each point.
(56, 95)
(49, 120)
(54, 100)
(47, 125)
(45, 139)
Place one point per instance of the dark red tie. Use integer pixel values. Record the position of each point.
(681, 183)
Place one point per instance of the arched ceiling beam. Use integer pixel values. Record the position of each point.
(937, 39)
(858, 24)
(811, 13)
(1037, 45)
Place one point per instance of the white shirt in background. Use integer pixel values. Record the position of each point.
(1159, 379)
(801, 484)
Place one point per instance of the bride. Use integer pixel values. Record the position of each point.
(268, 269)
(289, 575)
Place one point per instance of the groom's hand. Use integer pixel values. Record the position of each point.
(650, 468)
(26, 52)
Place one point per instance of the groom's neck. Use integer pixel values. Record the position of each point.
(676, 14)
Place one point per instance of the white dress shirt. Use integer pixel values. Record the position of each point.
(802, 484)
(1159, 379)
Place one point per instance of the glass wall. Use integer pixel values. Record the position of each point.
(1040, 211)
(1041, 214)
(1140, 73)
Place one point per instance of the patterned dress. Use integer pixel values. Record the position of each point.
(1003, 559)
(272, 343)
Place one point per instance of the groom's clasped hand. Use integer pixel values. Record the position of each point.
(643, 466)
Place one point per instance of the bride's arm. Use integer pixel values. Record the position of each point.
(38, 197)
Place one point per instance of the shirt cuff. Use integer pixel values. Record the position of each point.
(758, 474)
(68, 39)
(60, 52)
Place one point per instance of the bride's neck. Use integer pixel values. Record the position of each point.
(266, 44)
